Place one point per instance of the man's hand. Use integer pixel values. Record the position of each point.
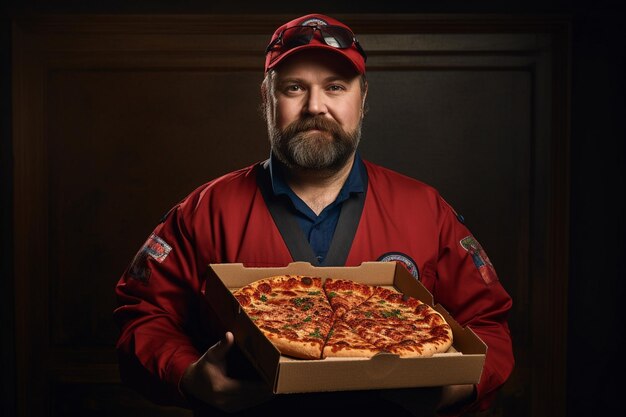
(206, 380)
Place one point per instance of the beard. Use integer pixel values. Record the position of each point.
(314, 143)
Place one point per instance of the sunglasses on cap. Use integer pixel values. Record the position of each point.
(335, 36)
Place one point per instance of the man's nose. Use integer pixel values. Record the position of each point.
(315, 102)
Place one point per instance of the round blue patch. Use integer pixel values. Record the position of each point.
(404, 259)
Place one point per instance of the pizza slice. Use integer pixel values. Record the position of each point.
(299, 338)
(343, 341)
(287, 294)
(400, 324)
(423, 343)
(344, 295)
(292, 311)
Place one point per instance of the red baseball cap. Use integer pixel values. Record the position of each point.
(334, 40)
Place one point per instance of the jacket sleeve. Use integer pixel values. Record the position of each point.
(467, 286)
(157, 297)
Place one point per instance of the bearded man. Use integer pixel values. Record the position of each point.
(315, 199)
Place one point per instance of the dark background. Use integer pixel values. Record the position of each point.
(595, 368)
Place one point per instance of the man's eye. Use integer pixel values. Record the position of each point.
(336, 87)
(293, 88)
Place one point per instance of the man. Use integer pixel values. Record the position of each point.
(316, 200)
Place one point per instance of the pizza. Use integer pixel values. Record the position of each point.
(308, 318)
(292, 311)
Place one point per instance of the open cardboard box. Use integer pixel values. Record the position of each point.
(462, 364)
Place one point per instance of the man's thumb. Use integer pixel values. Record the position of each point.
(218, 351)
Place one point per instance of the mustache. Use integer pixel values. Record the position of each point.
(312, 123)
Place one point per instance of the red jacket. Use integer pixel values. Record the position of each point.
(162, 310)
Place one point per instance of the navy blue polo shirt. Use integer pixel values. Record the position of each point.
(318, 230)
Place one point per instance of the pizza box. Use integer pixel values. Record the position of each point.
(462, 364)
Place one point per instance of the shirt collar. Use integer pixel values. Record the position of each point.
(354, 183)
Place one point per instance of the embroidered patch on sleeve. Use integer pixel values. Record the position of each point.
(480, 258)
(403, 259)
(155, 248)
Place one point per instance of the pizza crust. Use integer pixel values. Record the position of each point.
(296, 348)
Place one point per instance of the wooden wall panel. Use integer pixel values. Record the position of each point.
(116, 118)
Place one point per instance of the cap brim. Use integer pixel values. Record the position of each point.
(344, 53)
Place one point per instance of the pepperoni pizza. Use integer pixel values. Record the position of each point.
(305, 317)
